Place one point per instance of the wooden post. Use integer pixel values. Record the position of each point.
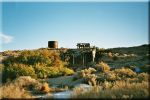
(83, 59)
(93, 53)
(73, 58)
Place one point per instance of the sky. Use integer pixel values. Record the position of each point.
(30, 25)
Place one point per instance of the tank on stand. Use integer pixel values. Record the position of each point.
(53, 44)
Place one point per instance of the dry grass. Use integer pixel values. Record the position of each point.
(119, 89)
(120, 83)
(110, 55)
(45, 88)
(103, 67)
(124, 72)
(18, 88)
(85, 72)
(12, 91)
(87, 75)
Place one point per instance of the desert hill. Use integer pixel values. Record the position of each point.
(115, 73)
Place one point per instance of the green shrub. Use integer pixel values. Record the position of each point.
(36, 63)
(43, 71)
(91, 64)
(14, 70)
(53, 72)
(58, 71)
(1, 67)
(115, 58)
(29, 57)
(145, 68)
(32, 57)
(67, 71)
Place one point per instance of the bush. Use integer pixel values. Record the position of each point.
(87, 75)
(29, 57)
(54, 72)
(91, 64)
(91, 79)
(15, 70)
(115, 58)
(85, 72)
(143, 77)
(124, 72)
(35, 63)
(18, 88)
(145, 68)
(102, 67)
(12, 91)
(116, 90)
(111, 76)
(67, 71)
(1, 67)
(110, 55)
(32, 57)
(45, 88)
(43, 71)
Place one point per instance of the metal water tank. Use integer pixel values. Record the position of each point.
(53, 44)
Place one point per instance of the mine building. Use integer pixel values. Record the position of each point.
(82, 55)
(83, 45)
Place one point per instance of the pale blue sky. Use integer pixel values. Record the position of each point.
(104, 25)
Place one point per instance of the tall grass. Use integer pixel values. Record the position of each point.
(121, 83)
(18, 88)
(118, 90)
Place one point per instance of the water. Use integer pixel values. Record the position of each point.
(68, 93)
(44, 96)
(65, 94)
(86, 87)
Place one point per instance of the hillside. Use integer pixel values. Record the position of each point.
(116, 73)
(143, 49)
(137, 56)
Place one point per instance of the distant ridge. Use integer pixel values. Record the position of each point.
(135, 49)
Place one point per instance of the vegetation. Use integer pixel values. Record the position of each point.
(87, 75)
(45, 88)
(119, 73)
(120, 83)
(18, 88)
(103, 67)
(36, 63)
(116, 90)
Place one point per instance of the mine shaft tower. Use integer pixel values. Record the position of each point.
(82, 55)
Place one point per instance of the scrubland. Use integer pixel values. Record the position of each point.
(119, 73)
